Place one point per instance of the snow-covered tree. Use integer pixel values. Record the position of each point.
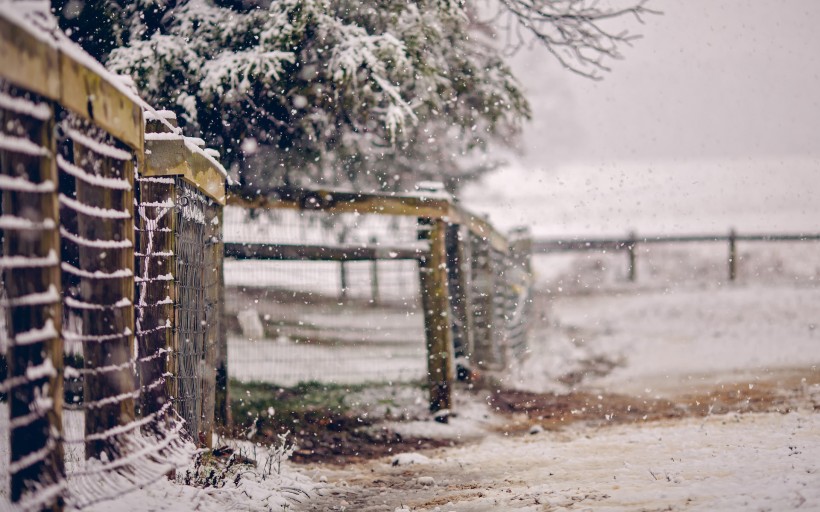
(376, 94)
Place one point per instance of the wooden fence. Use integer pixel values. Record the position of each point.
(94, 290)
(474, 282)
(111, 227)
(632, 241)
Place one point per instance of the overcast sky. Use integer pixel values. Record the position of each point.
(728, 79)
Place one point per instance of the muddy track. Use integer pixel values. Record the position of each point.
(326, 437)
(370, 486)
(553, 411)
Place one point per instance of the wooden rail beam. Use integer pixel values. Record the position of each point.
(332, 201)
(287, 252)
(431, 206)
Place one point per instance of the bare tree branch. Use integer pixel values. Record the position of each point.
(573, 31)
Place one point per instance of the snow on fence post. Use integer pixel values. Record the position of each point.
(30, 293)
(437, 314)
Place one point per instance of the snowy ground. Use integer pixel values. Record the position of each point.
(733, 462)
(702, 340)
(674, 341)
(678, 334)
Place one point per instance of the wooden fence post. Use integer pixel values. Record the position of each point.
(342, 280)
(31, 284)
(374, 274)
(732, 255)
(458, 260)
(631, 248)
(437, 318)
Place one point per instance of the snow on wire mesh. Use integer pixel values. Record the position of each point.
(499, 307)
(77, 204)
(29, 311)
(125, 443)
(197, 282)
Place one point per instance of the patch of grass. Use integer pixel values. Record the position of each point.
(261, 404)
(328, 422)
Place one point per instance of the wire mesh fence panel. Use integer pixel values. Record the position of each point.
(486, 341)
(459, 277)
(31, 465)
(196, 278)
(111, 450)
(319, 318)
(500, 302)
(154, 296)
(518, 307)
(307, 227)
(96, 228)
(155, 292)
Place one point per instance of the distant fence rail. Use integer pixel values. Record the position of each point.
(372, 286)
(630, 243)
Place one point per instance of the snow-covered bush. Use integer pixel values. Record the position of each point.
(375, 94)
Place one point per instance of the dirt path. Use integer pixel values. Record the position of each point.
(717, 408)
(730, 447)
(763, 461)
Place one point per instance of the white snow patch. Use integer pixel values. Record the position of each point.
(406, 459)
(250, 324)
(426, 481)
(21, 145)
(19, 184)
(91, 179)
(100, 148)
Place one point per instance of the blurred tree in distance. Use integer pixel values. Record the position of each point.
(373, 95)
